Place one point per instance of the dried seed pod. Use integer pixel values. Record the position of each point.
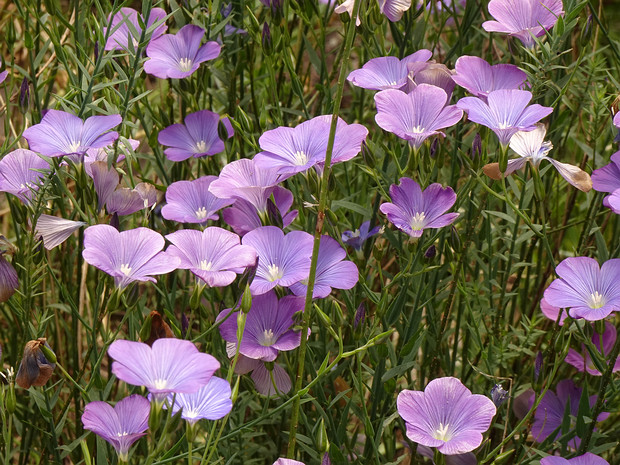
(35, 368)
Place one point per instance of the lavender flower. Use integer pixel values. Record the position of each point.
(124, 147)
(607, 179)
(191, 201)
(479, 78)
(357, 238)
(9, 281)
(583, 361)
(550, 412)
(243, 217)
(214, 255)
(261, 374)
(170, 365)
(122, 425)
(126, 37)
(198, 137)
(532, 147)
(282, 461)
(20, 173)
(524, 19)
(61, 133)
(3, 75)
(414, 210)
(54, 231)
(347, 7)
(446, 416)
(136, 254)
(179, 55)
(587, 291)
(417, 115)
(585, 459)
(282, 259)
(386, 72)
(499, 395)
(434, 74)
(394, 9)
(210, 402)
(332, 271)
(242, 179)
(460, 459)
(267, 328)
(505, 112)
(552, 312)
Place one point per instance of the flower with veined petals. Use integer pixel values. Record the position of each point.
(132, 255)
(552, 312)
(123, 37)
(347, 7)
(415, 116)
(282, 259)
(179, 55)
(214, 255)
(191, 201)
(170, 365)
(197, 137)
(394, 9)
(20, 173)
(386, 72)
(585, 289)
(121, 425)
(414, 210)
(210, 402)
(479, 78)
(586, 459)
(446, 415)
(523, 18)
(357, 238)
(261, 375)
(434, 74)
(607, 179)
(583, 361)
(54, 230)
(61, 133)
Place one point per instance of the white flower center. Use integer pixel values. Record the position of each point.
(201, 146)
(74, 145)
(185, 64)
(442, 433)
(596, 300)
(418, 221)
(300, 158)
(417, 130)
(205, 266)
(274, 272)
(268, 338)
(504, 125)
(201, 213)
(125, 269)
(160, 384)
(124, 433)
(190, 413)
(392, 83)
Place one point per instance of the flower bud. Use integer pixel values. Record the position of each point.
(538, 365)
(367, 155)
(360, 316)
(434, 147)
(325, 460)
(499, 395)
(96, 51)
(24, 96)
(476, 147)
(184, 324)
(321, 437)
(246, 300)
(430, 252)
(586, 32)
(266, 41)
(222, 130)
(35, 368)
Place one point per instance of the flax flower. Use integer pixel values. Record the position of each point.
(357, 238)
(583, 361)
(267, 381)
(607, 179)
(210, 402)
(386, 72)
(3, 75)
(21, 171)
(479, 78)
(54, 231)
(126, 30)
(586, 459)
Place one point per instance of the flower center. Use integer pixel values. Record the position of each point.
(596, 300)
(205, 266)
(160, 384)
(201, 213)
(74, 146)
(418, 221)
(300, 158)
(392, 83)
(125, 269)
(124, 433)
(201, 146)
(185, 65)
(442, 433)
(417, 130)
(268, 338)
(274, 273)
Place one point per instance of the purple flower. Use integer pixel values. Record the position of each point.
(282, 461)
(386, 72)
(505, 112)
(282, 259)
(414, 210)
(357, 238)
(348, 141)
(243, 217)
(242, 179)
(125, 37)
(210, 402)
(179, 55)
(531, 146)
(261, 374)
(54, 231)
(191, 201)
(61, 133)
(550, 412)
(3, 75)
(446, 416)
(394, 9)
(417, 115)
(479, 78)
(347, 7)
(524, 19)
(435, 74)
(552, 312)
(214, 255)
(20, 173)
(135, 256)
(122, 425)
(587, 291)
(198, 137)
(585, 459)
(267, 328)
(9, 281)
(583, 361)
(170, 365)
(124, 147)
(607, 179)
(332, 271)
(616, 120)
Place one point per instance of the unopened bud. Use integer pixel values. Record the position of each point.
(325, 460)
(10, 402)
(499, 395)
(24, 96)
(430, 252)
(538, 365)
(360, 316)
(246, 300)
(96, 51)
(476, 147)
(321, 437)
(434, 147)
(586, 32)
(266, 41)
(222, 130)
